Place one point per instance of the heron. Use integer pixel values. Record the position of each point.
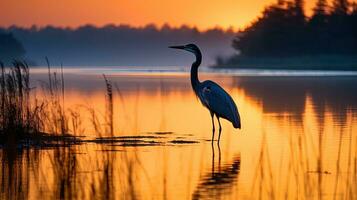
(211, 95)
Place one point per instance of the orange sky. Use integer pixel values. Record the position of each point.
(201, 13)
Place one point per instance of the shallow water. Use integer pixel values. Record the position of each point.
(298, 139)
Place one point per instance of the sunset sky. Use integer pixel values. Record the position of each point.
(201, 13)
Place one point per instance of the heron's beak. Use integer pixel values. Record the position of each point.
(177, 47)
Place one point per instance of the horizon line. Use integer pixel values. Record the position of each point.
(148, 25)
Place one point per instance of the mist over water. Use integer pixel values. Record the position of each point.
(123, 45)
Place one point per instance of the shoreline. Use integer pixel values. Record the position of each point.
(320, 62)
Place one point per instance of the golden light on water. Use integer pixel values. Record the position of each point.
(305, 151)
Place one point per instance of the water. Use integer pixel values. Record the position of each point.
(298, 139)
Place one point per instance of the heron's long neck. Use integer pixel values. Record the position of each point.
(194, 71)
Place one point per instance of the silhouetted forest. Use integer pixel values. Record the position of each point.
(284, 32)
(114, 45)
(10, 47)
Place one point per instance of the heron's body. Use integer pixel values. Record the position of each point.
(219, 102)
(211, 95)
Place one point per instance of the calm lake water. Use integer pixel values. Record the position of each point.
(298, 139)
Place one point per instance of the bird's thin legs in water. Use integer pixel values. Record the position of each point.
(220, 129)
(212, 159)
(213, 129)
(219, 157)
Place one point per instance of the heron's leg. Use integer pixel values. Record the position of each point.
(212, 160)
(213, 129)
(220, 129)
(219, 157)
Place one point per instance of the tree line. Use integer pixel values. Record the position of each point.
(113, 45)
(284, 30)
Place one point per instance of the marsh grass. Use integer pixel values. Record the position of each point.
(56, 120)
(109, 110)
(19, 120)
(26, 120)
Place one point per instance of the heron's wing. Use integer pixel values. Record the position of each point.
(220, 102)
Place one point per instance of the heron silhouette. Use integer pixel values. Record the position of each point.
(211, 95)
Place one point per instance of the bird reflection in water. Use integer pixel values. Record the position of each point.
(218, 181)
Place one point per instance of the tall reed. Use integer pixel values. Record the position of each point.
(109, 110)
(18, 119)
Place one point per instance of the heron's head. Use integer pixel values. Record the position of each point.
(189, 47)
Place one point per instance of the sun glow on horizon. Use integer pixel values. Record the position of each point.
(226, 14)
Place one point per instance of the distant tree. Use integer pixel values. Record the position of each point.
(320, 8)
(10, 48)
(284, 30)
(279, 32)
(298, 8)
(263, 33)
(320, 15)
(281, 3)
(353, 24)
(353, 8)
(340, 7)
